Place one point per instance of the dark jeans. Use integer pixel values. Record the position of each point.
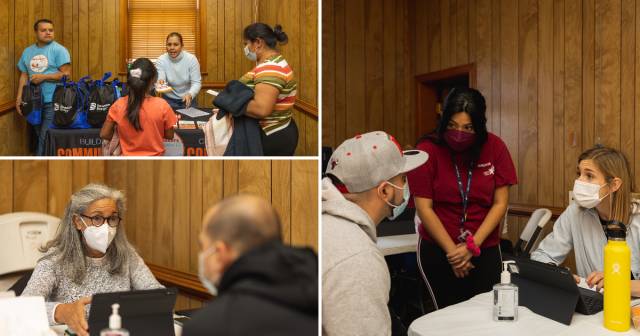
(281, 143)
(41, 130)
(178, 104)
(450, 290)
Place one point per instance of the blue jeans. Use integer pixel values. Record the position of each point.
(178, 104)
(41, 130)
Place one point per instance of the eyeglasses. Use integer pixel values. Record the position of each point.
(112, 221)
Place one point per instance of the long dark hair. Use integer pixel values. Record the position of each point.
(138, 88)
(462, 99)
(263, 31)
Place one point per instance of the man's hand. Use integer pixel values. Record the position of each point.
(38, 78)
(72, 314)
(19, 106)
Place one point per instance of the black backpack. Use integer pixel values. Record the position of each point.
(101, 96)
(65, 104)
(32, 103)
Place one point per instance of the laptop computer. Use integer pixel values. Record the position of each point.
(143, 313)
(551, 291)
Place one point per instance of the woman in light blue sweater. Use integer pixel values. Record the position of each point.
(181, 71)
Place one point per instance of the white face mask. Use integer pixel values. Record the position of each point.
(399, 209)
(208, 284)
(252, 56)
(587, 195)
(98, 237)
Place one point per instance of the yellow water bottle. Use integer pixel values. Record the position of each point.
(617, 283)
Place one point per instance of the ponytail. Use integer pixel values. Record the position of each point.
(140, 78)
(271, 36)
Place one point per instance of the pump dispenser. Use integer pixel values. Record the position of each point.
(505, 296)
(115, 324)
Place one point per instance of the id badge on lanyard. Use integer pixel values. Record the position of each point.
(464, 233)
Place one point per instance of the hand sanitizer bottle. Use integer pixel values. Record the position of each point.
(115, 324)
(505, 296)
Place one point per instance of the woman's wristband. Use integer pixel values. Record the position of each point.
(472, 247)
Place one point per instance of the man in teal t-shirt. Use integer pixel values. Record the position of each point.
(44, 63)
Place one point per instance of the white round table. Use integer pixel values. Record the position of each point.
(474, 317)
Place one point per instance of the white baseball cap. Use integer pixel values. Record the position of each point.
(364, 161)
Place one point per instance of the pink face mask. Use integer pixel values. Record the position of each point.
(459, 141)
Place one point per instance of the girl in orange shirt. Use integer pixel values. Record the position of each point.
(143, 121)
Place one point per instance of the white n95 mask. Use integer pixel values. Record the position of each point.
(252, 56)
(587, 195)
(98, 237)
(208, 284)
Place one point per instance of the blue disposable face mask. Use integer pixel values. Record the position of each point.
(399, 209)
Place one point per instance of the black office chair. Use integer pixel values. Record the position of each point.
(326, 155)
(529, 236)
(21, 284)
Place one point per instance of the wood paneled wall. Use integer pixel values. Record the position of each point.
(558, 76)
(16, 33)
(299, 19)
(166, 200)
(45, 186)
(90, 30)
(367, 80)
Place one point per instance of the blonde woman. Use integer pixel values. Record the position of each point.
(603, 202)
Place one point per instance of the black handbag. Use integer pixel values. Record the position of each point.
(32, 103)
(102, 95)
(65, 104)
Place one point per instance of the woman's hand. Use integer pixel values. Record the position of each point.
(463, 271)
(187, 100)
(72, 314)
(459, 255)
(596, 279)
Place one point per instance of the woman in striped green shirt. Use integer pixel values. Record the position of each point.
(275, 89)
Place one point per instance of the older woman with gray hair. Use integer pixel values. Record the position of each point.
(90, 254)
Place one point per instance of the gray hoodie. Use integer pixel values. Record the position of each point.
(355, 277)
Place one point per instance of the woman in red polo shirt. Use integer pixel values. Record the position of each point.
(461, 194)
